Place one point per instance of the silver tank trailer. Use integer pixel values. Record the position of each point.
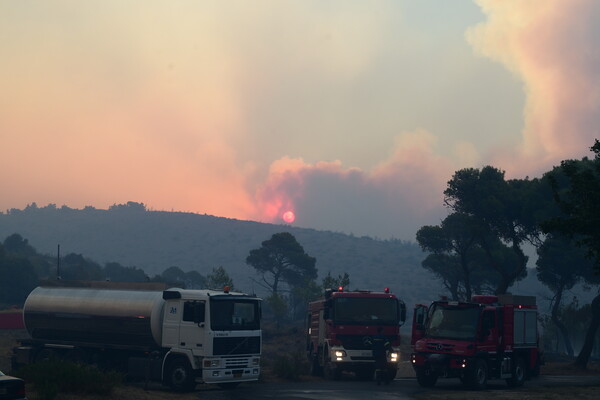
(97, 317)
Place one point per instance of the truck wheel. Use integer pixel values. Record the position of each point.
(518, 373)
(535, 371)
(391, 373)
(315, 368)
(478, 375)
(426, 377)
(180, 376)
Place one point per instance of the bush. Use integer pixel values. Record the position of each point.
(56, 376)
(290, 367)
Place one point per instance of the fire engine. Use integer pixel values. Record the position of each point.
(490, 337)
(340, 327)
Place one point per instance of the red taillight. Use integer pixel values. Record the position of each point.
(340, 289)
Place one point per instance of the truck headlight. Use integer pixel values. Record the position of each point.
(340, 353)
(211, 363)
(394, 357)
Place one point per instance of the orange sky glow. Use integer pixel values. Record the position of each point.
(353, 115)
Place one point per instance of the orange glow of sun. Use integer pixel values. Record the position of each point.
(289, 217)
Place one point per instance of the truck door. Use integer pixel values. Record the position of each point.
(172, 316)
(488, 332)
(191, 331)
(418, 323)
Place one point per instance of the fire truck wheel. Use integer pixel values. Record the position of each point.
(426, 377)
(315, 368)
(391, 373)
(180, 375)
(518, 373)
(478, 375)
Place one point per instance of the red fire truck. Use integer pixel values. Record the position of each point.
(491, 337)
(340, 328)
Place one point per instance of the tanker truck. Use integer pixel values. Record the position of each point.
(178, 337)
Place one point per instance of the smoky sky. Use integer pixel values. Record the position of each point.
(354, 115)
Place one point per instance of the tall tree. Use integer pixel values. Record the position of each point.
(581, 221)
(457, 238)
(282, 259)
(559, 266)
(330, 282)
(218, 279)
(505, 208)
(17, 278)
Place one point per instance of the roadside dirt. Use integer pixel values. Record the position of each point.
(289, 342)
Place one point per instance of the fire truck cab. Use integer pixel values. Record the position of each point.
(340, 328)
(493, 337)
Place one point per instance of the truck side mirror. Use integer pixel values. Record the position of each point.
(199, 313)
(402, 312)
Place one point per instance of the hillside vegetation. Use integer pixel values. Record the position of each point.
(156, 240)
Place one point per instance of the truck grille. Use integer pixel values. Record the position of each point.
(236, 345)
(440, 346)
(240, 362)
(354, 342)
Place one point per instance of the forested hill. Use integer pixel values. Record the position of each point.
(155, 240)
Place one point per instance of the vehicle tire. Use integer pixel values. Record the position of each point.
(535, 371)
(518, 373)
(315, 368)
(426, 377)
(478, 375)
(391, 373)
(180, 376)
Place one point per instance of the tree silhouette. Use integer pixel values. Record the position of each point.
(581, 221)
(505, 208)
(282, 259)
(559, 266)
(218, 279)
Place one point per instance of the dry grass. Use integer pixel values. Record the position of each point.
(291, 339)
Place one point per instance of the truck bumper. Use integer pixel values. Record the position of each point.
(443, 364)
(353, 360)
(231, 370)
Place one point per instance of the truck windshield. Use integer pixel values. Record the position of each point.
(365, 311)
(453, 322)
(234, 315)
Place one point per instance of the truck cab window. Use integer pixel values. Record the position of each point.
(193, 311)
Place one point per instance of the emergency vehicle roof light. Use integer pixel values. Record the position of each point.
(226, 289)
(386, 290)
(340, 289)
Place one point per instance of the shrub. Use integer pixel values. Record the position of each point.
(290, 367)
(57, 376)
